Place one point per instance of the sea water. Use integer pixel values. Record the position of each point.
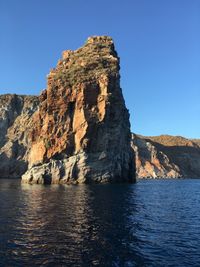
(150, 223)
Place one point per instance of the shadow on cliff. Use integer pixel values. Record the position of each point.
(11, 167)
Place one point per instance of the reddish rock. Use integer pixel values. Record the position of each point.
(81, 131)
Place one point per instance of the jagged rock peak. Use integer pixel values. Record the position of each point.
(92, 42)
(100, 39)
(95, 58)
(82, 130)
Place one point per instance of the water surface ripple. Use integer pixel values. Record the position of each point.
(151, 223)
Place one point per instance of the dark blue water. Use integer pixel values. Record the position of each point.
(152, 223)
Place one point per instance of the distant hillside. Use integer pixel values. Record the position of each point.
(166, 156)
(197, 141)
(169, 140)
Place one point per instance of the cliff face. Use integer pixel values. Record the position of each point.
(166, 156)
(156, 157)
(15, 121)
(77, 130)
(81, 131)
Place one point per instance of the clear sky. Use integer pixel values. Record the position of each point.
(158, 42)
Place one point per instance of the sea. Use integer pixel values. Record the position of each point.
(150, 223)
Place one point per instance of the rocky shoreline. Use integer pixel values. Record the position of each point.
(155, 157)
(15, 123)
(166, 156)
(78, 130)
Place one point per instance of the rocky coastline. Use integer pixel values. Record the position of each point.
(166, 156)
(78, 130)
(15, 123)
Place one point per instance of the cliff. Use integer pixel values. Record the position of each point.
(15, 123)
(81, 130)
(166, 156)
(156, 157)
(78, 131)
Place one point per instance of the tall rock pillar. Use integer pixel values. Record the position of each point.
(81, 131)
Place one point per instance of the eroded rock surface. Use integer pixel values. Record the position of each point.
(77, 130)
(15, 124)
(81, 131)
(166, 156)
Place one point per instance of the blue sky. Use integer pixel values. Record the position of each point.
(158, 42)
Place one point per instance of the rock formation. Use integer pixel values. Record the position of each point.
(81, 131)
(166, 156)
(152, 162)
(77, 130)
(156, 157)
(15, 123)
